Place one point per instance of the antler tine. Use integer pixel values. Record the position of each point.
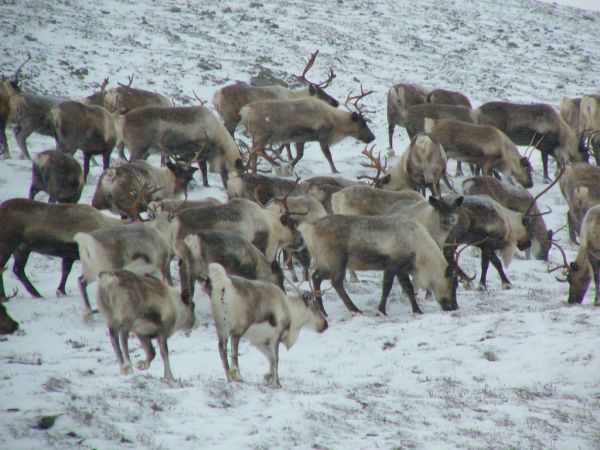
(309, 64)
(561, 171)
(329, 79)
(103, 85)
(165, 149)
(202, 102)
(128, 85)
(458, 252)
(144, 193)
(565, 266)
(356, 98)
(374, 164)
(18, 71)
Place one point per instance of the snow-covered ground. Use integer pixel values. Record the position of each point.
(510, 369)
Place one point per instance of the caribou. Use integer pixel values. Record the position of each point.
(57, 174)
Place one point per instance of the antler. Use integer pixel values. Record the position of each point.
(457, 256)
(284, 200)
(561, 171)
(308, 66)
(565, 266)
(375, 164)
(103, 86)
(128, 85)
(356, 98)
(18, 71)
(202, 102)
(143, 193)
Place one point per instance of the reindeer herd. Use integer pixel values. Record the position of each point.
(239, 251)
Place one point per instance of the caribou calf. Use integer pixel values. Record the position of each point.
(57, 174)
(260, 312)
(144, 305)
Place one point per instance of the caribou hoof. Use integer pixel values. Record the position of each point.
(507, 286)
(482, 288)
(234, 375)
(126, 369)
(143, 365)
(391, 152)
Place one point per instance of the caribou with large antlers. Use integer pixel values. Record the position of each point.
(229, 100)
(304, 120)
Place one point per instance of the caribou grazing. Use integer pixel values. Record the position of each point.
(229, 100)
(260, 312)
(579, 273)
(580, 186)
(516, 198)
(538, 125)
(31, 226)
(421, 166)
(57, 174)
(128, 188)
(396, 244)
(260, 188)
(481, 145)
(147, 307)
(122, 247)
(154, 129)
(400, 97)
(89, 128)
(303, 120)
(485, 223)
(124, 98)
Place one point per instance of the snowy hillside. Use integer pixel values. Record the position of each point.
(510, 369)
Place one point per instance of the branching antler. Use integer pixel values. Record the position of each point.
(566, 268)
(308, 66)
(561, 171)
(457, 256)
(374, 164)
(128, 85)
(355, 99)
(142, 193)
(102, 86)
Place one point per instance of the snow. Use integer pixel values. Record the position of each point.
(509, 369)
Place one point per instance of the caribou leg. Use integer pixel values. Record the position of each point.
(498, 266)
(327, 153)
(20, 256)
(408, 289)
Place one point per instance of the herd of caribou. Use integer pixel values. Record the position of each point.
(326, 223)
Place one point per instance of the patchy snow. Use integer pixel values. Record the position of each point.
(510, 369)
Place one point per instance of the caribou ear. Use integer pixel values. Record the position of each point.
(433, 201)
(312, 90)
(550, 234)
(574, 266)
(386, 179)
(172, 167)
(459, 201)
(356, 117)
